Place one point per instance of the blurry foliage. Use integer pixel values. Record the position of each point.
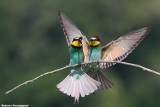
(32, 42)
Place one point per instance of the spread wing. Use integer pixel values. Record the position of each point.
(119, 49)
(71, 31)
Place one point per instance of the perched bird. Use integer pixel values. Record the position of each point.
(95, 55)
(77, 82)
(71, 31)
(116, 50)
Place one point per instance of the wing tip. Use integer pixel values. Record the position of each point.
(148, 28)
(61, 16)
(59, 12)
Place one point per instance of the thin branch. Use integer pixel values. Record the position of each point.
(70, 66)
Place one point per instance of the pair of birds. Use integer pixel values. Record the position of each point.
(80, 83)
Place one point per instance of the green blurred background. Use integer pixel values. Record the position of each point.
(32, 42)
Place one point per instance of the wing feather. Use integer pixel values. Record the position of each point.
(71, 31)
(119, 49)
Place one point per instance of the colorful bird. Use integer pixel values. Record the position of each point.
(77, 82)
(116, 50)
(95, 53)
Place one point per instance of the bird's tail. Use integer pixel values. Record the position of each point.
(78, 83)
(98, 76)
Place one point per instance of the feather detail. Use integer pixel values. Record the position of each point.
(83, 86)
(71, 31)
(98, 76)
(119, 49)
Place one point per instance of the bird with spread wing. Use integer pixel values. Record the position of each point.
(116, 50)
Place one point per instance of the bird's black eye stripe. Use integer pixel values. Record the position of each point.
(78, 39)
(97, 39)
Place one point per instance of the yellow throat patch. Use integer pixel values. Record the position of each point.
(76, 44)
(94, 43)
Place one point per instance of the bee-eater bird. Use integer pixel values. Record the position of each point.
(95, 55)
(77, 82)
(116, 50)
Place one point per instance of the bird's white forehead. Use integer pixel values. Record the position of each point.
(93, 38)
(76, 38)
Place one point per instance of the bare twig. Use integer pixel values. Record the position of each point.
(70, 66)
